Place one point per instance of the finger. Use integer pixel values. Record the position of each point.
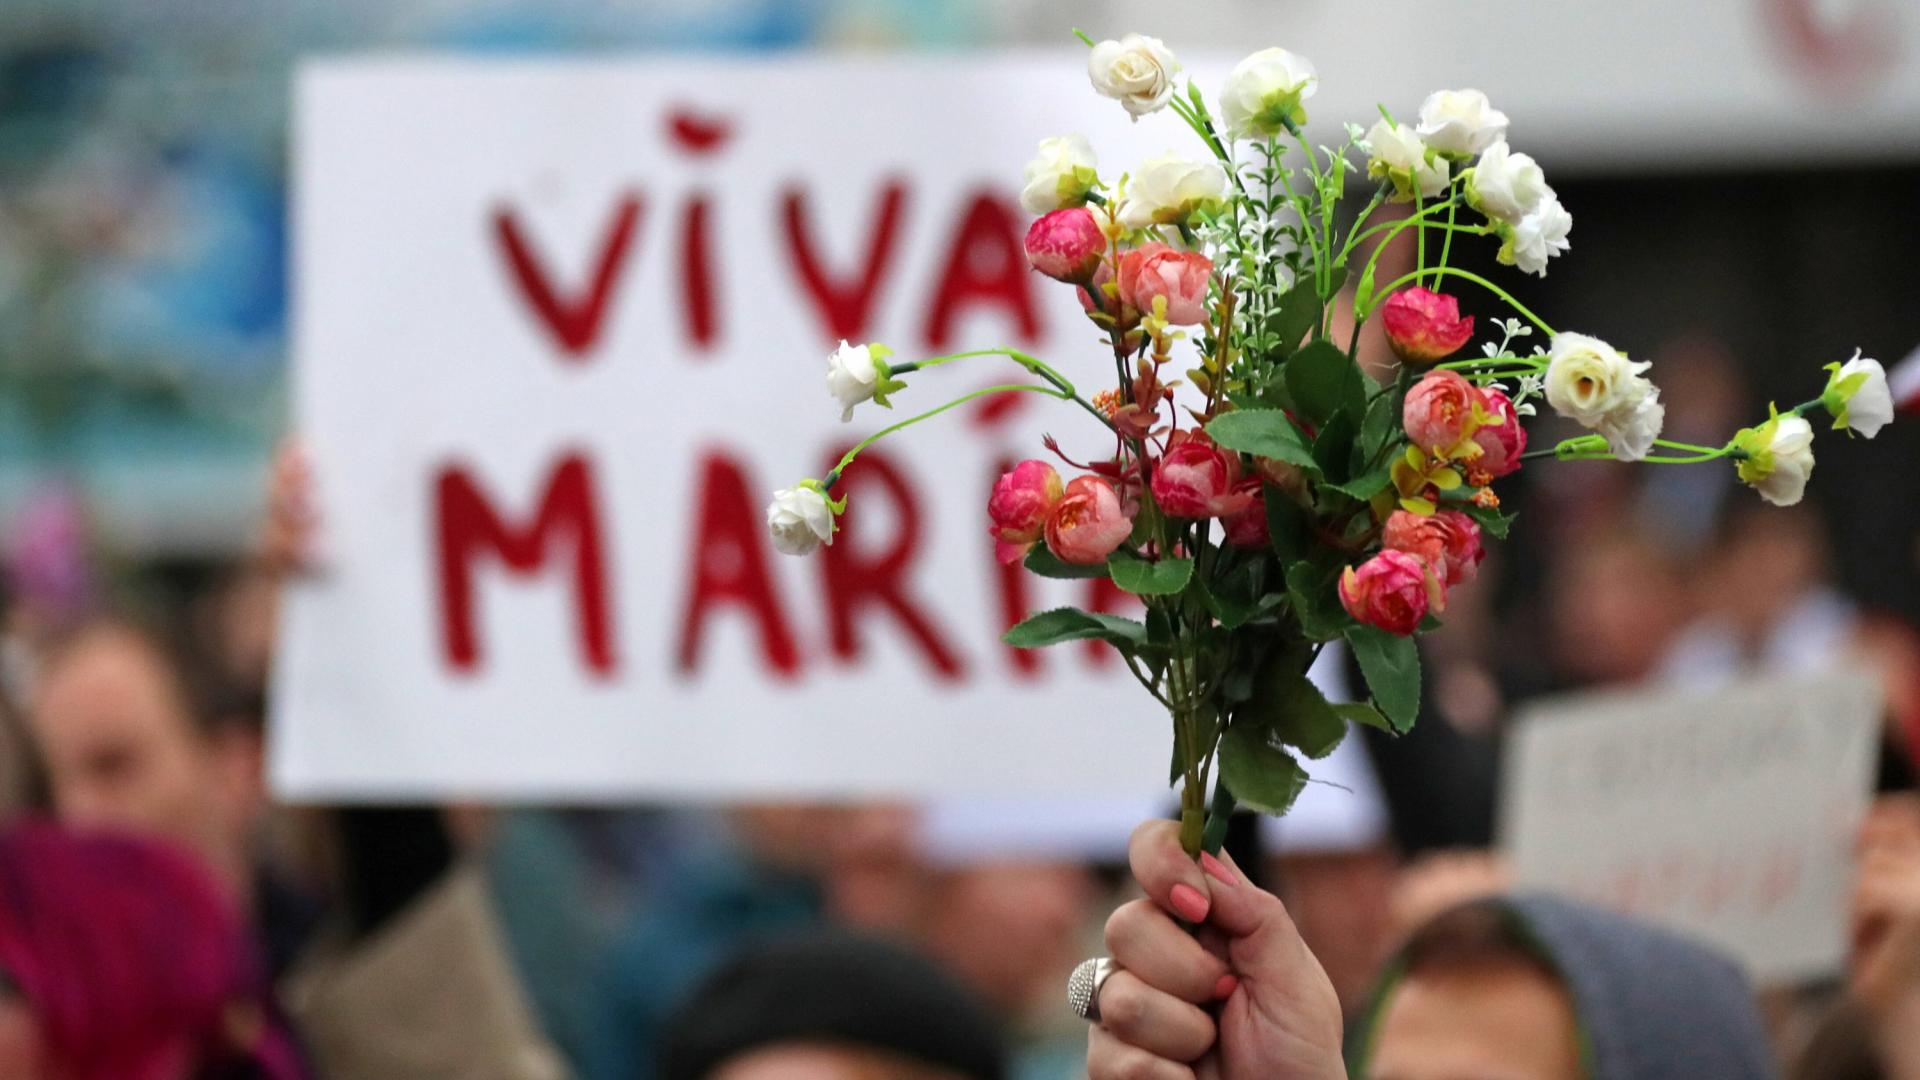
(1145, 941)
(1163, 869)
(1247, 913)
(1153, 1020)
(1108, 1058)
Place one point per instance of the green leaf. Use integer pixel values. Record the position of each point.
(1295, 709)
(1230, 597)
(1286, 525)
(1367, 485)
(1382, 422)
(1333, 449)
(1298, 313)
(1072, 624)
(1142, 578)
(1315, 603)
(1391, 664)
(1261, 775)
(1045, 563)
(1323, 380)
(1492, 522)
(1355, 712)
(1262, 433)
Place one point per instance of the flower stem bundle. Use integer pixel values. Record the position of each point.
(1259, 490)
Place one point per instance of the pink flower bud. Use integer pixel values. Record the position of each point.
(1438, 412)
(1196, 479)
(1021, 500)
(1156, 270)
(1448, 541)
(1066, 245)
(1247, 528)
(1392, 591)
(1501, 444)
(1088, 522)
(1423, 326)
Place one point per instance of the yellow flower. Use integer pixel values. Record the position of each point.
(1415, 474)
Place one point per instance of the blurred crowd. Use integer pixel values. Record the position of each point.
(162, 917)
(158, 908)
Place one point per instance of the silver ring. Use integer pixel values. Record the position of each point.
(1083, 987)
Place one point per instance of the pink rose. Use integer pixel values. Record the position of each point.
(1087, 523)
(1196, 479)
(1423, 326)
(1021, 500)
(1501, 444)
(1438, 412)
(1154, 270)
(1392, 591)
(1247, 528)
(1448, 541)
(1066, 245)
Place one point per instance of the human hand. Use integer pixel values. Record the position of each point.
(1244, 999)
(288, 540)
(1886, 908)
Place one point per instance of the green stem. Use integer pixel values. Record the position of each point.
(1031, 363)
(1446, 245)
(847, 458)
(1420, 235)
(1393, 226)
(1440, 271)
(1494, 374)
(1504, 360)
(1219, 814)
(1354, 235)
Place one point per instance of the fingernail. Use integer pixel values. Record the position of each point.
(1224, 989)
(1216, 869)
(1188, 902)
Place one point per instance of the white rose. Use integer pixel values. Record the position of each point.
(1460, 122)
(1858, 396)
(1166, 189)
(1588, 379)
(799, 520)
(1506, 185)
(852, 376)
(1398, 155)
(1540, 236)
(1779, 459)
(1061, 173)
(1264, 91)
(1630, 431)
(1137, 71)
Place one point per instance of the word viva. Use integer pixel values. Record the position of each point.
(559, 532)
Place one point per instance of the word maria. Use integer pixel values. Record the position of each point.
(562, 535)
(560, 531)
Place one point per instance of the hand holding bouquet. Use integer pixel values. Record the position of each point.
(1259, 491)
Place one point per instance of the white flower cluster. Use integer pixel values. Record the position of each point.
(1594, 384)
(1264, 96)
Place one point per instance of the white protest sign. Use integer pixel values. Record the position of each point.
(562, 330)
(1727, 815)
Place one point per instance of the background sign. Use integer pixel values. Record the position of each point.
(1729, 816)
(562, 330)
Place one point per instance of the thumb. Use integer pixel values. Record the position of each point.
(1263, 943)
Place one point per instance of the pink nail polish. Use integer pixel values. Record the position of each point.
(1188, 902)
(1224, 989)
(1216, 869)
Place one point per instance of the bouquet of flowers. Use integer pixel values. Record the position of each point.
(1259, 490)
